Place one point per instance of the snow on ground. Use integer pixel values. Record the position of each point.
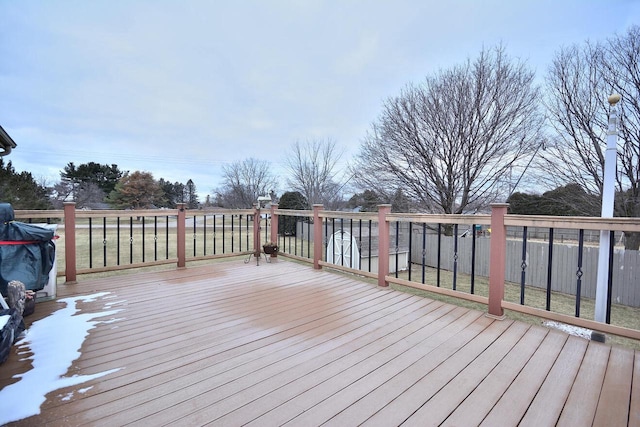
(4, 320)
(570, 329)
(54, 343)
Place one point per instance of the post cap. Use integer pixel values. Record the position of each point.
(614, 99)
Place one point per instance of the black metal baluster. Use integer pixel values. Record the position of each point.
(194, 235)
(301, 222)
(341, 241)
(360, 244)
(523, 264)
(424, 252)
(370, 246)
(118, 241)
(104, 241)
(455, 256)
(409, 258)
(549, 270)
(130, 240)
(204, 236)
(579, 272)
(439, 255)
(155, 238)
(143, 247)
(473, 259)
(247, 234)
(90, 245)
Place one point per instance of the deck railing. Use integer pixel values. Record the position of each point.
(462, 256)
(468, 257)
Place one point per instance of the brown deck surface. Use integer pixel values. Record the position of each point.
(282, 344)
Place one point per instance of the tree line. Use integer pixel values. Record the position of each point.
(94, 186)
(479, 132)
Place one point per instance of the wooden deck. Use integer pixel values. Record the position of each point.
(282, 344)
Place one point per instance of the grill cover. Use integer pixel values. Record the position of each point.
(27, 252)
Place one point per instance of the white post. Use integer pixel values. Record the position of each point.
(608, 195)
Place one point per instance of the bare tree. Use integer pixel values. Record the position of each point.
(313, 167)
(578, 112)
(85, 194)
(579, 82)
(450, 142)
(244, 181)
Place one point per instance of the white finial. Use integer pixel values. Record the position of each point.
(613, 99)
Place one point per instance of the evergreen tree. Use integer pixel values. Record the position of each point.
(21, 190)
(104, 176)
(290, 200)
(191, 195)
(172, 193)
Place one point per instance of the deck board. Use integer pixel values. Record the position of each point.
(634, 407)
(281, 343)
(582, 402)
(514, 403)
(489, 392)
(423, 388)
(547, 405)
(613, 409)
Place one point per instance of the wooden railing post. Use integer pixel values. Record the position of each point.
(317, 237)
(274, 223)
(70, 242)
(383, 244)
(181, 230)
(497, 258)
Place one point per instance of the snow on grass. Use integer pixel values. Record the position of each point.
(53, 343)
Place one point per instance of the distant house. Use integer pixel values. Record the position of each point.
(6, 143)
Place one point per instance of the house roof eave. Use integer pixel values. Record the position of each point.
(6, 143)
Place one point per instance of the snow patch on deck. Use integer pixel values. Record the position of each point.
(570, 329)
(52, 343)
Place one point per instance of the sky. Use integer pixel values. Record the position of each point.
(182, 88)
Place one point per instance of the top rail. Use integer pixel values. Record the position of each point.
(576, 223)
